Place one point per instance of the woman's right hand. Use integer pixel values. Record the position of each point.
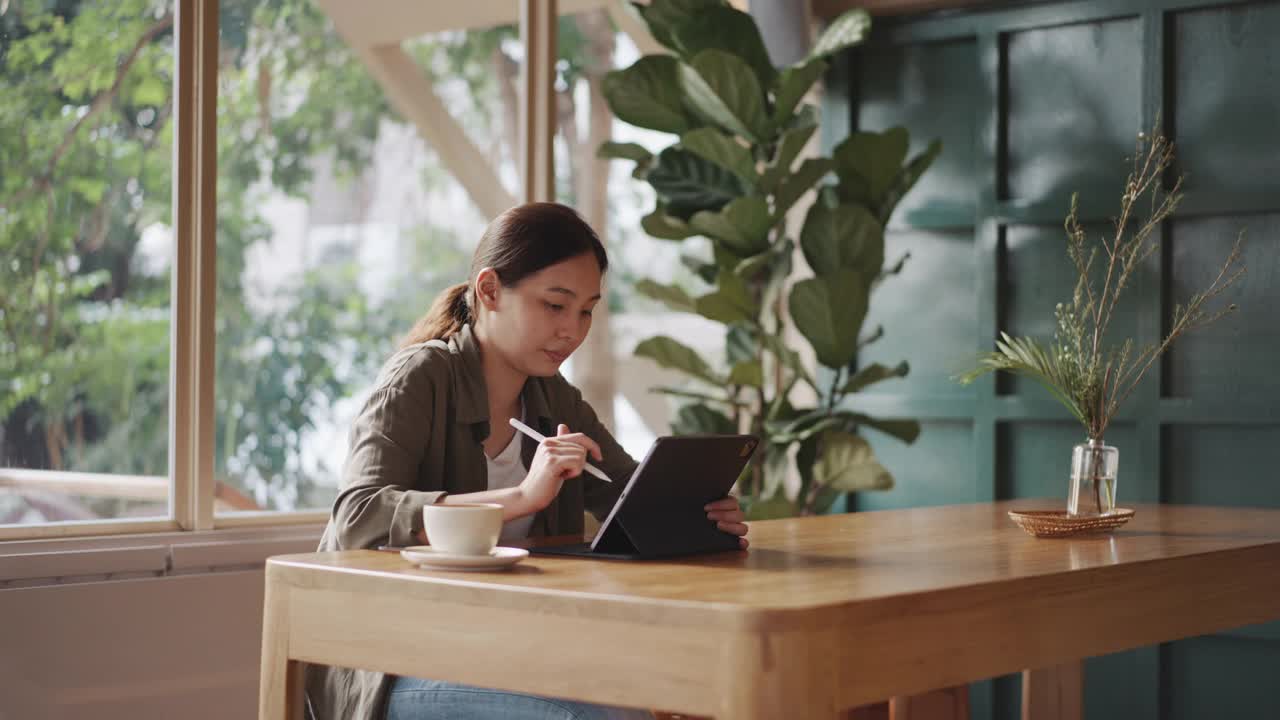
(557, 459)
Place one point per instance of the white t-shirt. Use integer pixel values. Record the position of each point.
(507, 470)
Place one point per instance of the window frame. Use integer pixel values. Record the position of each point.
(192, 486)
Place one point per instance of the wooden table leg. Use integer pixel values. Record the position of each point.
(769, 675)
(1053, 693)
(280, 690)
(944, 704)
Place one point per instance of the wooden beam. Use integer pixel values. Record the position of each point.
(194, 277)
(538, 95)
(393, 21)
(146, 488)
(635, 29)
(413, 95)
(1053, 693)
(830, 9)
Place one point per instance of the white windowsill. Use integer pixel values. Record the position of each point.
(87, 559)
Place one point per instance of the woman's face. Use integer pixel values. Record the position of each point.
(539, 322)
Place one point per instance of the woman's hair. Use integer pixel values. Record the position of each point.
(517, 244)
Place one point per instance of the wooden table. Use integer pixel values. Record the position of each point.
(821, 615)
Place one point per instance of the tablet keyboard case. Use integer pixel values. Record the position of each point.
(663, 516)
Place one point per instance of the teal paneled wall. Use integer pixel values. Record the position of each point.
(1230, 361)
(1073, 106)
(936, 470)
(1033, 103)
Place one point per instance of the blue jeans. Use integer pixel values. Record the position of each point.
(415, 699)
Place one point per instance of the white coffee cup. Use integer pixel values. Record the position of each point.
(466, 529)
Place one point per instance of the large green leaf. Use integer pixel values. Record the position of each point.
(845, 237)
(873, 373)
(628, 151)
(730, 303)
(664, 16)
(845, 31)
(825, 499)
(740, 344)
(687, 183)
(647, 94)
(726, 259)
(907, 178)
(672, 296)
(748, 372)
(815, 421)
(673, 354)
(793, 83)
(828, 310)
(805, 115)
(661, 225)
(705, 270)
(727, 30)
(789, 146)
(623, 151)
(771, 508)
(692, 395)
(721, 89)
(794, 186)
(905, 430)
(847, 463)
(711, 144)
(696, 419)
(743, 225)
(868, 163)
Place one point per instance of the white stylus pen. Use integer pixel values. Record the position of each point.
(540, 437)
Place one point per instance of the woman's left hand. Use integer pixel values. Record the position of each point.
(727, 515)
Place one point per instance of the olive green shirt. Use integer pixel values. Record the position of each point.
(419, 438)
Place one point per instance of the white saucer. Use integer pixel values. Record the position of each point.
(429, 558)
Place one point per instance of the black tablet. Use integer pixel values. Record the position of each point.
(660, 511)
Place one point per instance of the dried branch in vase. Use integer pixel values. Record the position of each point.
(1089, 378)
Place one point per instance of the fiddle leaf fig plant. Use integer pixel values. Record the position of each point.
(733, 171)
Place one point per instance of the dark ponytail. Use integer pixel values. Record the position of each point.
(517, 244)
(448, 313)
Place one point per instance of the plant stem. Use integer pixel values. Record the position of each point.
(699, 396)
(1095, 454)
(835, 384)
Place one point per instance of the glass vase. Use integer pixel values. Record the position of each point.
(1093, 479)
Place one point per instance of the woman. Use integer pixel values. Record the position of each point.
(435, 430)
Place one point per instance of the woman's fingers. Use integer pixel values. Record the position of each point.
(582, 441)
(568, 460)
(728, 516)
(573, 453)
